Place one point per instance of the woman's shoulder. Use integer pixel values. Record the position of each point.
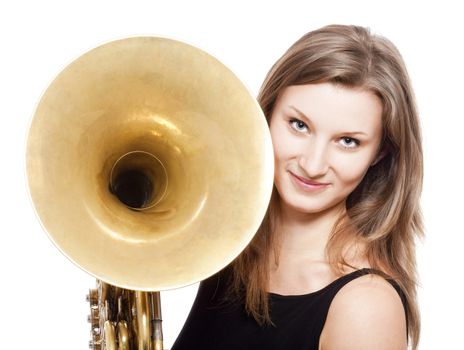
(367, 313)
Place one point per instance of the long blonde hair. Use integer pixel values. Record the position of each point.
(384, 209)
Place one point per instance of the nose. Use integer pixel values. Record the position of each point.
(313, 160)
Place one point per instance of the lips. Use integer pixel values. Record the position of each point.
(309, 182)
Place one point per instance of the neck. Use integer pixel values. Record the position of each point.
(305, 234)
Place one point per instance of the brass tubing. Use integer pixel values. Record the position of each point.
(123, 336)
(109, 336)
(143, 329)
(156, 318)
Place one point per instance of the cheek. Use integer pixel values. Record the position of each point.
(283, 147)
(351, 170)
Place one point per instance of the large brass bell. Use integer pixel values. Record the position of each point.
(150, 166)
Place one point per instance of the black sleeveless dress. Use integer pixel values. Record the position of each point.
(299, 319)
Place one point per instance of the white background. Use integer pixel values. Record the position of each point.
(42, 293)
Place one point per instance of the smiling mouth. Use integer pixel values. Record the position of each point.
(309, 182)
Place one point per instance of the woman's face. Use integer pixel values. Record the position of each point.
(325, 139)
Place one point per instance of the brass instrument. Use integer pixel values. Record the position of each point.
(150, 166)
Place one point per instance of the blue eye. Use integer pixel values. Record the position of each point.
(349, 142)
(298, 125)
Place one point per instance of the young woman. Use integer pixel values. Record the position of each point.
(333, 263)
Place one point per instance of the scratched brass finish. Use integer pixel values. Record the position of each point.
(150, 166)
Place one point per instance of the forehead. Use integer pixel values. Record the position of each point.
(332, 107)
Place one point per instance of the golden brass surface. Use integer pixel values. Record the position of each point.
(123, 336)
(150, 166)
(143, 321)
(110, 336)
(179, 105)
(155, 316)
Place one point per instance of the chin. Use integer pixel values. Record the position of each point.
(311, 206)
(304, 206)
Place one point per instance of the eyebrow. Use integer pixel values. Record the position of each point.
(301, 114)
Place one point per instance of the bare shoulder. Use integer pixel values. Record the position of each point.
(367, 313)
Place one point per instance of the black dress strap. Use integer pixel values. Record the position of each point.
(298, 319)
